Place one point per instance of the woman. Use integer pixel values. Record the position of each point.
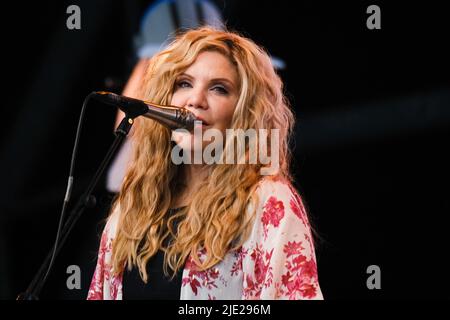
(209, 230)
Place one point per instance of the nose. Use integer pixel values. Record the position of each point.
(197, 99)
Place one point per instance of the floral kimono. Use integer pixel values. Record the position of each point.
(277, 261)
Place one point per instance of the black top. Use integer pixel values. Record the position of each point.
(159, 286)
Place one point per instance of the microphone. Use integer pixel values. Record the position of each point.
(169, 116)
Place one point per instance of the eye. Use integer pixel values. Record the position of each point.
(220, 89)
(183, 84)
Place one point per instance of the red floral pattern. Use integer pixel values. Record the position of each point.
(297, 207)
(197, 278)
(298, 281)
(96, 288)
(105, 285)
(263, 275)
(276, 262)
(237, 265)
(272, 215)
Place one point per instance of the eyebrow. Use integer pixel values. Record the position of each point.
(212, 80)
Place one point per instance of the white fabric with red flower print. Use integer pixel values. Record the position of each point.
(276, 262)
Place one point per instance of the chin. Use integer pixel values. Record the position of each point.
(186, 142)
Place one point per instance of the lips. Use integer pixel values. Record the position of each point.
(204, 123)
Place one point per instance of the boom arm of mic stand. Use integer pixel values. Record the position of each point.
(36, 285)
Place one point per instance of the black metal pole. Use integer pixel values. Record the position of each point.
(38, 282)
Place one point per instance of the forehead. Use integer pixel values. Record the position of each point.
(212, 64)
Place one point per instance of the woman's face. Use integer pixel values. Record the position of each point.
(209, 88)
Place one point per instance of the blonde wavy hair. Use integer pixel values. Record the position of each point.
(216, 219)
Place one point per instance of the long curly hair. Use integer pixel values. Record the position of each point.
(218, 217)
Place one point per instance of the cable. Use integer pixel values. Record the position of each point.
(67, 196)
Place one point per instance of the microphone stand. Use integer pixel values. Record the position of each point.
(87, 200)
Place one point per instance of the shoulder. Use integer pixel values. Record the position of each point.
(272, 190)
(112, 222)
(278, 256)
(270, 185)
(279, 209)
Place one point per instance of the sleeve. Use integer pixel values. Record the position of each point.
(105, 285)
(96, 287)
(278, 259)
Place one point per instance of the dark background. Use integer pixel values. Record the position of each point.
(371, 160)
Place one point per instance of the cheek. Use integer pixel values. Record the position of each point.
(177, 99)
(226, 115)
